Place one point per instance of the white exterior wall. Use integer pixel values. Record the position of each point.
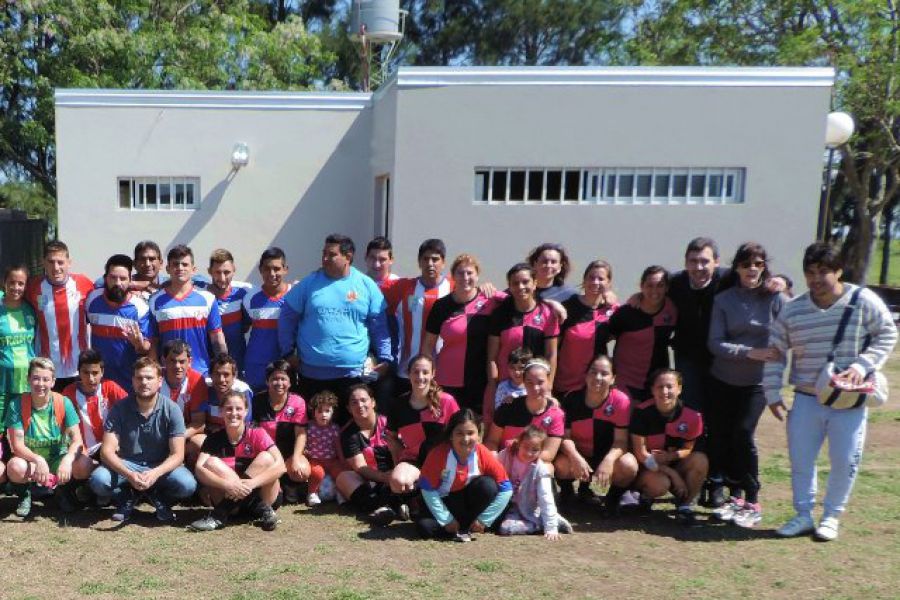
(308, 172)
(449, 126)
(314, 160)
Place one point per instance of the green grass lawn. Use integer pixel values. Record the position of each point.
(894, 268)
(329, 554)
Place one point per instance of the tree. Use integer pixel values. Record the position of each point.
(858, 37)
(200, 44)
(516, 32)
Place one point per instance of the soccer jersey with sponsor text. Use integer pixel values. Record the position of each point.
(17, 331)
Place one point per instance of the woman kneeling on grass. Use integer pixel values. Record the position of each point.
(368, 459)
(46, 441)
(663, 433)
(239, 466)
(596, 442)
(463, 484)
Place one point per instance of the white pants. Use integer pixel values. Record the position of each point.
(808, 425)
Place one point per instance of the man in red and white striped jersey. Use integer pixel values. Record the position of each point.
(58, 300)
(411, 299)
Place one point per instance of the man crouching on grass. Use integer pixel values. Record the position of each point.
(143, 449)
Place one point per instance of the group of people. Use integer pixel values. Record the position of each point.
(439, 398)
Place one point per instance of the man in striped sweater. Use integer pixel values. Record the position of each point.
(807, 327)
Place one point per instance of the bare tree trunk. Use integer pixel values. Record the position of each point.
(887, 238)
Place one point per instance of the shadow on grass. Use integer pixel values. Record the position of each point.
(661, 522)
(97, 519)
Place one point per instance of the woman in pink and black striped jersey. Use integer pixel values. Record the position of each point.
(457, 332)
(416, 422)
(520, 320)
(643, 334)
(535, 408)
(585, 332)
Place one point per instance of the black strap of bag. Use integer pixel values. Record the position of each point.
(838, 338)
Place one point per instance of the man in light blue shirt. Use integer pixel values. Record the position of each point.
(332, 318)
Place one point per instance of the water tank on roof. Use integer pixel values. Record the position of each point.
(378, 19)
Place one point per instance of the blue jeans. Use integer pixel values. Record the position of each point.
(808, 425)
(171, 487)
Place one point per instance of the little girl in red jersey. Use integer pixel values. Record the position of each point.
(463, 484)
(322, 440)
(532, 507)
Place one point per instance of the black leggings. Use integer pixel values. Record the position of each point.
(732, 415)
(466, 504)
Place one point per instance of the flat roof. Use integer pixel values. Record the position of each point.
(84, 98)
(420, 77)
(630, 76)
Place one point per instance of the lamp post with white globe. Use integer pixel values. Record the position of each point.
(839, 127)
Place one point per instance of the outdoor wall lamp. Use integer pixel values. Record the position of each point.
(240, 156)
(838, 129)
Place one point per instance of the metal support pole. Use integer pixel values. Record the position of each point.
(824, 227)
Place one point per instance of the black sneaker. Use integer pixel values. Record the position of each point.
(291, 494)
(429, 528)
(586, 495)
(717, 497)
(164, 514)
(566, 490)
(65, 501)
(645, 506)
(686, 517)
(125, 507)
(267, 519)
(382, 517)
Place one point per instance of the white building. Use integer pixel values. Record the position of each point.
(625, 164)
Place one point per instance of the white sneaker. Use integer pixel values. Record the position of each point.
(313, 500)
(827, 530)
(749, 516)
(799, 525)
(727, 511)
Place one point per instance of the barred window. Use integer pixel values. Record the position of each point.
(609, 185)
(159, 193)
